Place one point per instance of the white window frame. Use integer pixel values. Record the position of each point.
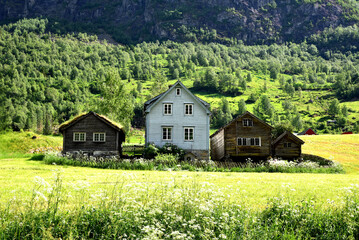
(187, 138)
(248, 141)
(99, 138)
(247, 122)
(78, 138)
(168, 134)
(169, 110)
(190, 107)
(178, 91)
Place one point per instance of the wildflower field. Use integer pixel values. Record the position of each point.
(41, 201)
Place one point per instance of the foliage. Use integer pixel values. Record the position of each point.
(172, 149)
(150, 211)
(168, 160)
(46, 78)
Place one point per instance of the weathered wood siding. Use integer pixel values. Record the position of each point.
(236, 129)
(89, 125)
(217, 146)
(289, 152)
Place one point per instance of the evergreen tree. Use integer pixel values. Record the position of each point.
(241, 107)
(334, 107)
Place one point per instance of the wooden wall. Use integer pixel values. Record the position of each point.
(236, 129)
(289, 152)
(91, 124)
(217, 146)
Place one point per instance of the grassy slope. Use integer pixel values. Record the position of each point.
(316, 113)
(341, 148)
(18, 144)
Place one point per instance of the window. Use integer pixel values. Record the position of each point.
(178, 92)
(167, 109)
(249, 141)
(247, 122)
(287, 144)
(167, 133)
(99, 137)
(188, 133)
(188, 109)
(79, 137)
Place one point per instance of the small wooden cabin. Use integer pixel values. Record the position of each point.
(308, 131)
(287, 146)
(92, 134)
(245, 137)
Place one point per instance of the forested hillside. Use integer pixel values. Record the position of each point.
(222, 21)
(46, 78)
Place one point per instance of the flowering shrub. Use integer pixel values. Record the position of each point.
(168, 160)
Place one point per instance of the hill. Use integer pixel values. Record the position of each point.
(129, 21)
(46, 78)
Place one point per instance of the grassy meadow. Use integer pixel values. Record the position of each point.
(50, 201)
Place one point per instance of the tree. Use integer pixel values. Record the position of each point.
(281, 127)
(344, 111)
(241, 107)
(297, 122)
(116, 102)
(263, 108)
(249, 77)
(334, 108)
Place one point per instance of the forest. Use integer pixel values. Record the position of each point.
(47, 78)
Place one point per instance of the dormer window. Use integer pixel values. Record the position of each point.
(247, 122)
(178, 92)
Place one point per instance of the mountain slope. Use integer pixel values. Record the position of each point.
(252, 21)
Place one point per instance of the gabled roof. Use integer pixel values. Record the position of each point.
(240, 116)
(102, 118)
(291, 136)
(152, 102)
(306, 130)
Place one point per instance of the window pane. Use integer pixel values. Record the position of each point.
(257, 141)
(252, 141)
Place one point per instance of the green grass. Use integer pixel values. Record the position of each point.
(50, 201)
(19, 144)
(341, 148)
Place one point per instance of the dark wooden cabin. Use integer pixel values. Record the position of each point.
(307, 131)
(287, 146)
(245, 137)
(93, 134)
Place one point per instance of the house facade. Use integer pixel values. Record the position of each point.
(287, 146)
(245, 137)
(92, 134)
(180, 118)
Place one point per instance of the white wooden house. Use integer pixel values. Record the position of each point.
(178, 117)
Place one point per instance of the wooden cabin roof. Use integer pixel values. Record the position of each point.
(240, 116)
(306, 130)
(148, 104)
(291, 136)
(102, 118)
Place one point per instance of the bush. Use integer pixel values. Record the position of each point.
(170, 148)
(150, 151)
(168, 160)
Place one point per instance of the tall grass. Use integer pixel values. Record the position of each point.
(170, 162)
(153, 211)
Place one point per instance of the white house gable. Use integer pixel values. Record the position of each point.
(180, 118)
